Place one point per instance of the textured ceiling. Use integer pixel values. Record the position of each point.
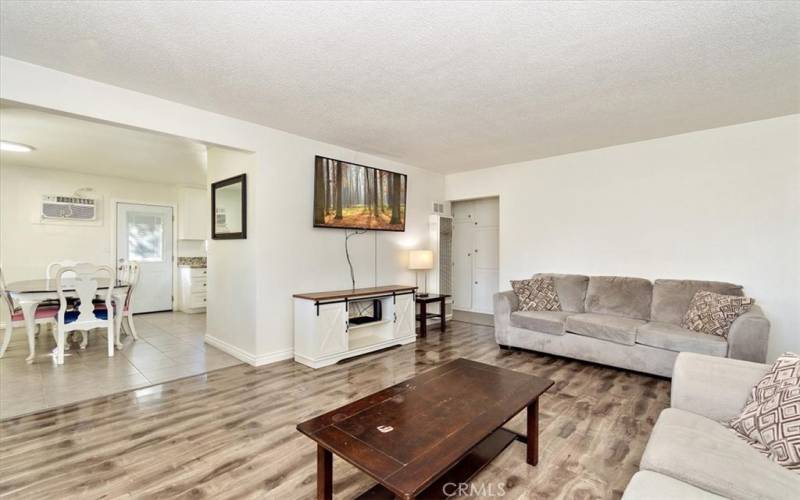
(447, 86)
(68, 143)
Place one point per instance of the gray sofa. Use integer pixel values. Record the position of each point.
(626, 322)
(692, 454)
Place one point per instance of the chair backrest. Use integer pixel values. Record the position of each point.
(86, 285)
(53, 267)
(9, 301)
(129, 273)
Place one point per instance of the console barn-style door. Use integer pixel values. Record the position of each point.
(405, 311)
(332, 329)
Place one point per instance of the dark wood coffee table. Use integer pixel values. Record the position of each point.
(440, 427)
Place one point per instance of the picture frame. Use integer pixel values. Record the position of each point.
(229, 208)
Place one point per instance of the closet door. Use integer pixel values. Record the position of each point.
(485, 268)
(463, 243)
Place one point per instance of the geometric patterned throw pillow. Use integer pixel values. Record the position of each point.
(771, 416)
(537, 294)
(713, 313)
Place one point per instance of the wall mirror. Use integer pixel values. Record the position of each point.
(229, 209)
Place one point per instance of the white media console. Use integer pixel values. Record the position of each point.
(326, 330)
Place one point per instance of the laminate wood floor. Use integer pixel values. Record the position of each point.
(231, 433)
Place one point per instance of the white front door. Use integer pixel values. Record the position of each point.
(144, 235)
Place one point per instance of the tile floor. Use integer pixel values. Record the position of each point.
(170, 346)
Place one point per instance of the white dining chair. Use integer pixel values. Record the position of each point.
(86, 315)
(130, 274)
(123, 312)
(43, 315)
(53, 267)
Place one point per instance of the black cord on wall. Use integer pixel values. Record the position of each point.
(347, 236)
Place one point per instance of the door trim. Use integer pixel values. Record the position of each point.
(174, 206)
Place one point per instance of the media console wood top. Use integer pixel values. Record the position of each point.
(356, 292)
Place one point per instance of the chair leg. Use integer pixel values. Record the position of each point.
(84, 339)
(118, 329)
(129, 320)
(60, 347)
(7, 338)
(111, 338)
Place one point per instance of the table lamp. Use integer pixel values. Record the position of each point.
(421, 260)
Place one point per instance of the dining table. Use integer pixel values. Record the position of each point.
(29, 294)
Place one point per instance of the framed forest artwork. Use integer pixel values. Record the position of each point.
(352, 196)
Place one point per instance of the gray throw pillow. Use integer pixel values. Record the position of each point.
(713, 313)
(770, 419)
(537, 294)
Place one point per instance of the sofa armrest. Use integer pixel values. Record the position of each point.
(748, 336)
(504, 304)
(711, 386)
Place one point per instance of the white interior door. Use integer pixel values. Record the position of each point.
(144, 235)
(486, 269)
(462, 265)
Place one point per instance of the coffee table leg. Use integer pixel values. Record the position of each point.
(324, 474)
(533, 433)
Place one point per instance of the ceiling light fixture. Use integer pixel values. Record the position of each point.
(16, 147)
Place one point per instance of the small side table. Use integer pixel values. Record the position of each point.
(424, 314)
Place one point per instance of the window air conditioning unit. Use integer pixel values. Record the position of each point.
(55, 207)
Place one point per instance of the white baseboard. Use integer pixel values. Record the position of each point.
(250, 359)
(274, 357)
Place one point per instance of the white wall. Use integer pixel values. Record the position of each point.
(720, 204)
(27, 246)
(232, 267)
(290, 256)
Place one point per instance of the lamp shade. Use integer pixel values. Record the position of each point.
(420, 259)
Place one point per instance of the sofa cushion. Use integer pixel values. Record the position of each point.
(671, 297)
(702, 452)
(571, 289)
(619, 296)
(541, 321)
(604, 327)
(713, 313)
(649, 485)
(675, 338)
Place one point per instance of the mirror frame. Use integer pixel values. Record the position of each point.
(241, 235)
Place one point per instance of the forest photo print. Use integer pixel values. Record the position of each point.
(353, 196)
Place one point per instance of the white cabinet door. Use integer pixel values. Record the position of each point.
(405, 316)
(486, 212)
(486, 247)
(485, 288)
(331, 329)
(463, 242)
(193, 214)
(463, 211)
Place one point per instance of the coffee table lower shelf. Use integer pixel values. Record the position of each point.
(473, 462)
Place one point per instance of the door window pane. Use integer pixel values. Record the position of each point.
(145, 237)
